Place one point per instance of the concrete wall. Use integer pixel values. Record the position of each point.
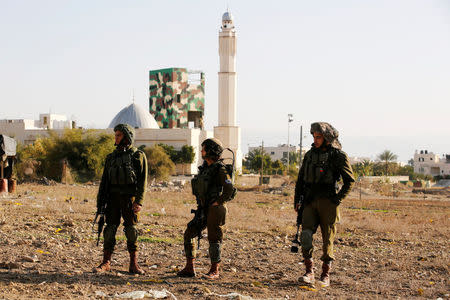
(391, 179)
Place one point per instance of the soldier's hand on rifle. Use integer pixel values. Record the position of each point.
(136, 207)
(297, 206)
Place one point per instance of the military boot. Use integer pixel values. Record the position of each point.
(309, 274)
(213, 273)
(106, 264)
(134, 267)
(189, 270)
(325, 277)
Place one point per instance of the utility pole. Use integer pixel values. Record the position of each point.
(301, 141)
(290, 119)
(262, 163)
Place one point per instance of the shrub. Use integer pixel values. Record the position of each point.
(84, 150)
(160, 166)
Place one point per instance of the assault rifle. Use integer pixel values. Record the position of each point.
(295, 241)
(100, 215)
(198, 222)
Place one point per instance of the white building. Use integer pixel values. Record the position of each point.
(280, 152)
(25, 131)
(227, 131)
(428, 163)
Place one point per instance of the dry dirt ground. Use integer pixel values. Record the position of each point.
(385, 248)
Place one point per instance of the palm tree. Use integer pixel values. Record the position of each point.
(367, 167)
(387, 156)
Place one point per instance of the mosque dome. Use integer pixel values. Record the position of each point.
(227, 16)
(135, 116)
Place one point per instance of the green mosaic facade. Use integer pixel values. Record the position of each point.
(176, 99)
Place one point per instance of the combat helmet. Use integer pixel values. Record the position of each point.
(330, 134)
(213, 148)
(127, 130)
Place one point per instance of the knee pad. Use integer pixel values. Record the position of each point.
(306, 238)
(189, 248)
(109, 237)
(215, 252)
(130, 232)
(110, 230)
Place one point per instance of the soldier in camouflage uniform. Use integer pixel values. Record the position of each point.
(212, 187)
(318, 197)
(122, 189)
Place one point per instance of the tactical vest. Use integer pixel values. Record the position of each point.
(319, 168)
(204, 185)
(121, 169)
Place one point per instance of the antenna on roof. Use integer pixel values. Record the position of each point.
(133, 95)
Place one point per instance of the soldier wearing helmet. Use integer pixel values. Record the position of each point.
(212, 187)
(317, 196)
(122, 191)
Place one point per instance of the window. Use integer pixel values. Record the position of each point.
(178, 123)
(45, 120)
(178, 98)
(272, 153)
(431, 158)
(285, 154)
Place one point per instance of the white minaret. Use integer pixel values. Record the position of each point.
(227, 131)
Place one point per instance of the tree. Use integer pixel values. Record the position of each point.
(364, 168)
(387, 156)
(170, 151)
(278, 167)
(186, 155)
(253, 161)
(367, 167)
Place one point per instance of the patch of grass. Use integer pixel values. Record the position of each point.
(373, 209)
(147, 239)
(153, 214)
(152, 239)
(158, 200)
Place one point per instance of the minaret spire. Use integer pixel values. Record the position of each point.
(228, 131)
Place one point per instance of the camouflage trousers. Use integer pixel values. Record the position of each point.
(214, 222)
(320, 212)
(119, 206)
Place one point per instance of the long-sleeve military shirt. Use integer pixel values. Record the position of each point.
(340, 167)
(140, 167)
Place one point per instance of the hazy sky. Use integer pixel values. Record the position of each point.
(379, 71)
